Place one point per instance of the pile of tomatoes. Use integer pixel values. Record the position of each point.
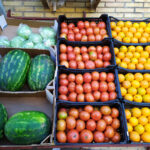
(85, 57)
(84, 31)
(89, 87)
(88, 124)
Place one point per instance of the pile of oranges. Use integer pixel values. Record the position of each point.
(133, 57)
(138, 123)
(129, 32)
(135, 87)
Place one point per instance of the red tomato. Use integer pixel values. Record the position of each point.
(108, 119)
(86, 136)
(91, 38)
(106, 49)
(106, 63)
(89, 64)
(72, 97)
(95, 85)
(63, 76)
(91, 125)
(105, 110)
(99, 49)
(63, 25)
(78, 36)
(91, 49)
(103, 87)
(63, 82)
(80, 125)
(64, 63)
(79, 89)
(61, 137)
(83, 115)
(103, 32)
(71, 122)
(116, 138)
(71, 37)
(71, 31)
(76, 50)
(111, 87)
(95, 76)
(106, 139)
(63, 48)
(63, 56)
(63, 97)
(96, 30)
(116, 123)
(96, 115)
(80, 109)
(80, 65)
(69, 49)
(109, 132)
(93, 55)
(89, 108)
(79, 79)
(83, 49)
(71, 26)
(98, 63)
(114, 113)
(107, 56)
(87, 88)
(63, 90)
(84, 38)
(89, 97)
(89, 31)
(63, 35)
(71, 77)
(92, 24)
(98, 137)
(101, 25)
(73, 64)
(71, 56)
(101, 125)
(85, 57)
(71, 87)
(98, 37)
(104, 97)
(110, 77)
(74, 113)
(80, 98)
(112, 95)
(103, 76)
(76, 30)
(87, 78)
(80, 24)
(83, 31)
(78, 57)
(73, 136)
(96, 95)
(100, 56)
(86, 24)
(64, 30)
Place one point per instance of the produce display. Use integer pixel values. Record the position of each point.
(84, 31)
(128, 32)
(88, 124)
(28, 127)
(133, 57)
(85, 57)
(138, 123)
(135, 87)
(87, 87)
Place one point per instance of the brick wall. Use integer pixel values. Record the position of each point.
(74, 8)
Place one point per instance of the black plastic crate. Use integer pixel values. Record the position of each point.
(122, 129)
(105, 42)
(103, 17)
(62, 70)
(122, 71)
(126, 105)
(113, 19)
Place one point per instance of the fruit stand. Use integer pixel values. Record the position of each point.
(84, 84)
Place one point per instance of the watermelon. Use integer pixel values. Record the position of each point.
(27, 127)
(13, 70)
(41, 72)
(3, 119)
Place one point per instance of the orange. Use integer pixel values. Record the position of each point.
(125, 29)
(144, 84)
(130, 128)
(136, 25)
(143, 40)
(134, 40)
(128, 24)
(140, 66)
(142, 24)
(138, 98)
(118, 38)
(134, 60)
(129, 54)
(128, 97)
(147, 127)
(142, 60)
(136, 112)
(135, 84)
(120, 23)
(148, 39)
(147, 66)
(113, 25)
(131, 48)
(126, 60)
(146, 98)
(141, 30)
(148, 90)
(145, 34)
(148, 119)
(117, 29)
(138, 76)
(123, 91)
(131, 66)
(139, 48)
(132, 90)
(148, 24)
(141, 91)
(142, 120)
(123, 49)
(129, 77)
(137, 35)
(146, 137)
(134, 136)
(126, 40)
(114, 34)
(121, 55)
(121, 78)
(129, 34)
(147, 48)
(132, 29)
(128, 114)
(118, 61)
(147, 29)
(133, 121)
(126, 84)
(145, 54)
(147, 76)
(136, 54)
(145, 111)
(123, 64)
(139, 129)
(116, 50)
(148, 60)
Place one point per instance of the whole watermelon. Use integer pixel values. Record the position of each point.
(41, 72)
(13, 70)
(3, 119)
(27, 127)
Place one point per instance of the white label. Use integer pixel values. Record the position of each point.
(3, 22)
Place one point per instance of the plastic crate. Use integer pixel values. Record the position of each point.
(116, 20)
(103, 17)
(105, 42)
(122, 128)
(120, 95)
(126, 105)
(62, 70)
